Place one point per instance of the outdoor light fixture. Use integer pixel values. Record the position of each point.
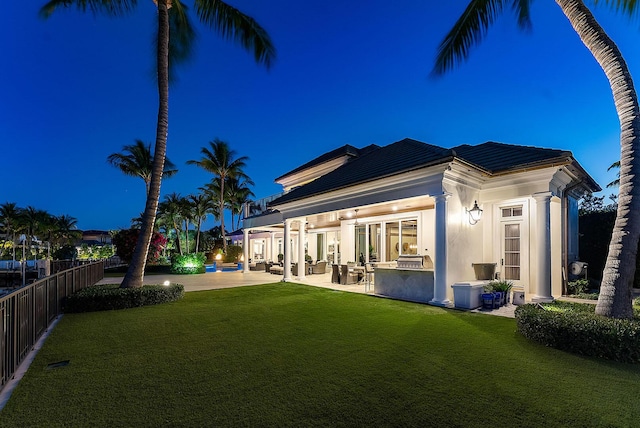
(167, 283)
(475, 213)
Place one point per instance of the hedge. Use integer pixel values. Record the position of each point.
(111, 297)
(575, 327)
(188, 264)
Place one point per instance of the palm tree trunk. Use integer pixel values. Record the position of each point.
(198, 234)
(617, 279)
(135, 273)
(177, 229)
(224, 235)
(186, 235)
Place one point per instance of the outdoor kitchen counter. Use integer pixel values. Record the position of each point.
(415, 285)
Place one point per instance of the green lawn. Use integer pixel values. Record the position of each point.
(292, 355)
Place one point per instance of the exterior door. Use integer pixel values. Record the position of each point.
(514, 254)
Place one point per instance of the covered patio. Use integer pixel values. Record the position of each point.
(510, 206)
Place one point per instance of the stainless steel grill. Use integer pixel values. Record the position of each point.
(410, 262)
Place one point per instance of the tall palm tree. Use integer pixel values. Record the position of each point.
(171, 212)
(186, 211)
(616, 290)
(238, 193)
(10, 223)
(221, 161)
(224, 19)
(202, 206)
(136, 160)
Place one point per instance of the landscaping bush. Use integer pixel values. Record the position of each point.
(575, 327)
(125, 242)
(111, 297)
(233, 254)
(188, 264)
(578, 286)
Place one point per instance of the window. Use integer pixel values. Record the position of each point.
(401, 238)
(512, 211)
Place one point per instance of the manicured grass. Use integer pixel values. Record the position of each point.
(292, 355)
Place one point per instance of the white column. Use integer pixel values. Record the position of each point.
(440, 273)
(287, 251)
(302, 265)
(245, 250)
(272, 247)
(543, 247)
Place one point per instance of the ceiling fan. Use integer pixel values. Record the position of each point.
(355, 223)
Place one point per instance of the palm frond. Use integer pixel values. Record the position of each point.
(523, 11)
(234, 25)
(107, 7)
(468, 31)
(627, 7)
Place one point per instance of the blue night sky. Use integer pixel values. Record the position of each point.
(78, 87)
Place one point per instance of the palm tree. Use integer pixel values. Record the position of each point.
(221, 161)
(616, 182)
(615, 292)
(136, 160)
(66, 231)
(238, 194)
(186, 211)
(10, 223)
(202, 206)
(230, 23)
(170, 211)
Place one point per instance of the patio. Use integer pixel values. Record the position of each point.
(222, 280)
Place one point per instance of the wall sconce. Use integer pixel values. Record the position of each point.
(475, 213)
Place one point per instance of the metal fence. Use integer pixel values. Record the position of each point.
(27, 312)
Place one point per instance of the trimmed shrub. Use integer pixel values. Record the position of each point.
(188, 264)
(575, 327)
(111, 297)
(579, 286)
(233, 254)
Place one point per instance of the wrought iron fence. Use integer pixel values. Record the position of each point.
(27, 312)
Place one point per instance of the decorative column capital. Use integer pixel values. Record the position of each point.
(542, 196)
(442, 197)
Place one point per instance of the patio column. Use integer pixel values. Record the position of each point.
(302, 265)
(287, 250)
(272, 244)
(543, 247)
(245, 250)
(440, 272)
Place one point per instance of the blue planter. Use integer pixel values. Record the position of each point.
(487, 300)
(499, 295)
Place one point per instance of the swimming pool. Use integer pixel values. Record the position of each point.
(212, 268)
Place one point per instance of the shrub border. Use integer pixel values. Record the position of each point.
(575, 327)
(112, 297)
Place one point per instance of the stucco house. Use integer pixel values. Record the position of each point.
(515, 206)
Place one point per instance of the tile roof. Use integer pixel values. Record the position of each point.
(346, 150)
(405, 155)
(398, 157)
(499, 157)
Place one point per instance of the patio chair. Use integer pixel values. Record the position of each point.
(335, 274)
(320, 267)
(348, 276)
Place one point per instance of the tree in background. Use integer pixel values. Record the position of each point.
(10, 223)
(172, 17)
(170, 211)
(222, 162)
(125, 242)
(202, 206)
(136, 160)
(238, 193)
(615, 292)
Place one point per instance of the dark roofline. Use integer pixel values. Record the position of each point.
(346, 150)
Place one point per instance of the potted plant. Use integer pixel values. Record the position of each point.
(504, 288)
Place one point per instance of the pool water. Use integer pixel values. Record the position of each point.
(212, 268)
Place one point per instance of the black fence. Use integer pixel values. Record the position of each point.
(27, 312)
